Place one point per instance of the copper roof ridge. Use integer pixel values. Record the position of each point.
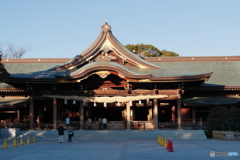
(200, 76)
(193, 58)
(131, 56)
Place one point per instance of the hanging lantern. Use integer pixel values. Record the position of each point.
(65, 101)
(74, 102)
(118, 103)
(140, 102)
(94, 104)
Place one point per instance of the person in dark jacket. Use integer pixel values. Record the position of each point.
(60, 133)
(70, 133)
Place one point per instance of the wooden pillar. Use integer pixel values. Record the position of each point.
(18, 116)
(179, 119)
(81, 116)
(193, 115)
(173, 114)
(150, 114)
(87, 111)
(54, 113)
(132, 114)
(31, 114)
(155, 113)
(128, 115)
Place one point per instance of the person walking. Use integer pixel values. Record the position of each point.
(100, 123)
(104, 123)
(70, 133)
(68, 121)
(60, 133)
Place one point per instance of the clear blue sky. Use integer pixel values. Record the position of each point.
(65, 28)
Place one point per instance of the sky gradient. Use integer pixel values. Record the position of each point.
(65, 28)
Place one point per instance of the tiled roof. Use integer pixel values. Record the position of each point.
(13, 101)
(211, 100)
(165, 72)
(224, 73)
(38, 71)
(19, 68)
(28, 67)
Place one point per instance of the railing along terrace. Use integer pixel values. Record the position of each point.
(184, 125)
(22, 126)
(43, 126)
(226, 135)
(138, 126)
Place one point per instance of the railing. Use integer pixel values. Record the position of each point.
(111, 125)
(168, 125)
(138, 126)
(185, 125)
(43, 126)
(22, 126)
(225, 135)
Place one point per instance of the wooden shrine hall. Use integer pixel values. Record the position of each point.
(109, 81)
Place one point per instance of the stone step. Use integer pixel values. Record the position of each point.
(117, 134)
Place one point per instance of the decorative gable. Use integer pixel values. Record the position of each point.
(107, 48)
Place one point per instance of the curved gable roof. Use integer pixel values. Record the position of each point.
(107, 38)
(108, 66)
(78, 66)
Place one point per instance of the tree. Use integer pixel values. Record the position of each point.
(150, 50)
(223, 118)
(9, 50)
(169, 54)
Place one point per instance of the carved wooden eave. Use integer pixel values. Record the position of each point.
(104, 43)
(107, 67)
(170, 81)
(195, 78)
(200, 77)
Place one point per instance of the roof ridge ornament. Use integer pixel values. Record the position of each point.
(106, 26)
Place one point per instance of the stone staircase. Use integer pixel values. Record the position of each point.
(116, 134)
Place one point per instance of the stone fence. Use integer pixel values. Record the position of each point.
(226, 135)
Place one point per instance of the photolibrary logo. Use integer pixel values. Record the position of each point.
(212, 154)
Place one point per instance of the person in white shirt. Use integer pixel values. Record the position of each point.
(104, 123)
(68, 121)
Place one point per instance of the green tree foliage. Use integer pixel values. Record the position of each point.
(224, 118)
(150, 50)
(169, 54)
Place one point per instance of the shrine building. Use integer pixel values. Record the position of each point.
(109, 81)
